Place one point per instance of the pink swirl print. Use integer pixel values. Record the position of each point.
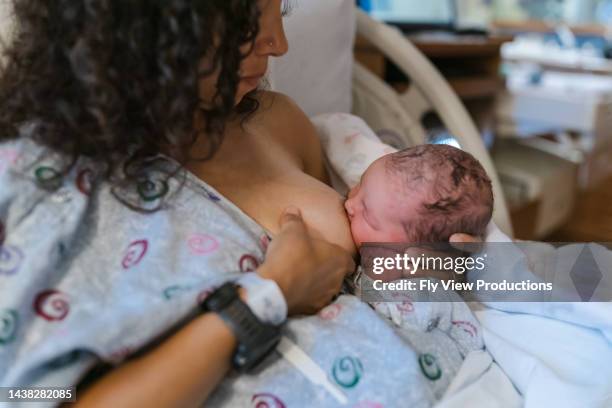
(368, 404)
(134, 253)
(51, 305)
(266, 400)
(401, 298)
(248, 263)
(83, 181)
(10, 259)
(405, 307)
(351, 138)
(467, 327)
(264, 242)
(202, 244)
(330, 312)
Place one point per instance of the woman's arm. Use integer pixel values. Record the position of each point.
(182, 371)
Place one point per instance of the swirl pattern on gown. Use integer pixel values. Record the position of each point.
(51, 305)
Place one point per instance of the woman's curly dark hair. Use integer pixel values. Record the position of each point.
(117, 80)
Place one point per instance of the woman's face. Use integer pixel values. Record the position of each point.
(270, 42)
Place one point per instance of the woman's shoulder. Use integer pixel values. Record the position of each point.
(278, 108)
(26, 161)
(276, 100)
(287, 123)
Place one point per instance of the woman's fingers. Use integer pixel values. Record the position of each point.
(465, 242)
(464, 238)
(308, 270)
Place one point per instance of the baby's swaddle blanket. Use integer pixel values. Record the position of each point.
(350, 146)
(84, 279)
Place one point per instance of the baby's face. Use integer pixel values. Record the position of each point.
(373, 207)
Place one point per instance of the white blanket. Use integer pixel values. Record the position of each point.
(556, 354)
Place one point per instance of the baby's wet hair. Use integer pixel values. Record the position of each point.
(458, 196)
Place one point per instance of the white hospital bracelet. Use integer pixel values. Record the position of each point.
(264, 298)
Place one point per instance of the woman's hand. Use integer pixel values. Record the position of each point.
(189, 365)
(309, 271)
(465, 242)
(464, 239)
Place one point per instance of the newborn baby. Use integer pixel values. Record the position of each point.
(420, 195)
(424, 195)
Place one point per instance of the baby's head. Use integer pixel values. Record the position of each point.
(422, 194)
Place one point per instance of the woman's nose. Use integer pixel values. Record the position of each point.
(274, 44)
(271, 39)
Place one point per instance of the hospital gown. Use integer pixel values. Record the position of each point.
(91, 273)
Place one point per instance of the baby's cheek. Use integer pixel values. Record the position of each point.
(358, 233)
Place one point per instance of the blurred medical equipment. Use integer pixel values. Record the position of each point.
(529, 176)
(558, 88)
(563, 91)
(434, 14)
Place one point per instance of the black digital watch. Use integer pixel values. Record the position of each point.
(255, 338)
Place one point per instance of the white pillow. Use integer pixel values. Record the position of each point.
(317, 70)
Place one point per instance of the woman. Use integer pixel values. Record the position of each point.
(103, 91)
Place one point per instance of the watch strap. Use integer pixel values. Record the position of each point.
(255, 338)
